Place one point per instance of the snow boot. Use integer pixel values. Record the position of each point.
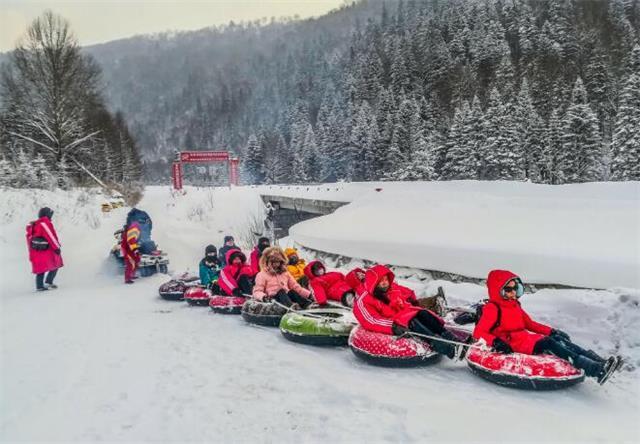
(451, 351)
(52, 286)
(41, 289)
(608, 368)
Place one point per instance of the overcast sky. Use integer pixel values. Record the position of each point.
(96, 21)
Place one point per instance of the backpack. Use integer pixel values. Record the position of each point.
(37, 243)
(468, 318)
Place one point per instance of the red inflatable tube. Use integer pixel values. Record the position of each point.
(390, 351)
(226, 304)
(197, 296)
(529, 372)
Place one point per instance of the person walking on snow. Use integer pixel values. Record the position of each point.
(507, 328)
(388, 308)
(254, 259)
(130, 250)
(275, 282)
(328, 285)
(44, 250)
(229, 244)
(209, 267)
(236, 278)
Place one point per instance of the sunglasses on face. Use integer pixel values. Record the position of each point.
(510, 289)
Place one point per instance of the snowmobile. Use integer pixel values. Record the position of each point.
(152, 260)
(155, 261)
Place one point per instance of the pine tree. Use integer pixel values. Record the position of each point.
(553, 150)
(254, 161)
(530, 129)
(626, 135)
(298, 174)
(7, 173)
(311, 155)
(581, 159)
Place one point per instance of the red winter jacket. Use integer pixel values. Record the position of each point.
(516, 328)
(330, 285)
(228, 280)
(43, 261)
(352, 279)
(379, 316)
(254, 261)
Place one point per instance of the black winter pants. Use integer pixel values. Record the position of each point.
(576, 355)
(427, 324)
(290, 298)
(40, 280)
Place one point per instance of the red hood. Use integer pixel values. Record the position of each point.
(352, 278)
(495, 281)
(373, 276)
(307, 270)
(227, 256)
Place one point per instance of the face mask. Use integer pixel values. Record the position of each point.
(380, 292)
(293, 260)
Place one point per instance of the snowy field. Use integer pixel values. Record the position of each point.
(100, 361)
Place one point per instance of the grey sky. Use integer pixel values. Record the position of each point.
(96, 21)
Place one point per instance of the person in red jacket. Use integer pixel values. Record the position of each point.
(506, 327)
(44, 250)
(355, 279)
(236, 278)
(130, 247)
(389, 308)
(328, 285)
(256, 254)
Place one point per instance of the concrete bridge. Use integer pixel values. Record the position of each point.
(284, 211)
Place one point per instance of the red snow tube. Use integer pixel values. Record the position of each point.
(529, 372)
(226, 304)
(174, 289)
(197, 296)
(390, 351)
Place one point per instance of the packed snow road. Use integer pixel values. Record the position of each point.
(97, 360)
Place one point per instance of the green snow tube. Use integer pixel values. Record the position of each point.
(320, 326)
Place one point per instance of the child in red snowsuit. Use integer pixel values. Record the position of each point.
(328, 285)
(506, 327)
(236, 278)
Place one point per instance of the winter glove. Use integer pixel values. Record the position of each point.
(57, 251)
(560, 335)
(398, 330)
(237, 292)
(502, 347)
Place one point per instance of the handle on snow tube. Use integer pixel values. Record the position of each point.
(437, 338)
(310, 315)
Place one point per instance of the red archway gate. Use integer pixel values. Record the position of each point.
(204, 157)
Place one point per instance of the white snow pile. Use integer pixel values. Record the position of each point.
(582, 235)
(97, 360)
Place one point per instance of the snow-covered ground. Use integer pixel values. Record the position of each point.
(97, 360)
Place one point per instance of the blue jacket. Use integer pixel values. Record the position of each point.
(208, 274)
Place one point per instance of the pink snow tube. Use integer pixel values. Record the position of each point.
(226, 304)
(389, 350)
(530, 372)
(197, 296)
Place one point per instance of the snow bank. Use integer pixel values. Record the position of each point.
(582, 235)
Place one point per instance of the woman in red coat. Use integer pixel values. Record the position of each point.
(506, 327)
(44, 250)
(389, 308)
(331, 285)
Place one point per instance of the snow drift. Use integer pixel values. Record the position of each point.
(582, 235)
